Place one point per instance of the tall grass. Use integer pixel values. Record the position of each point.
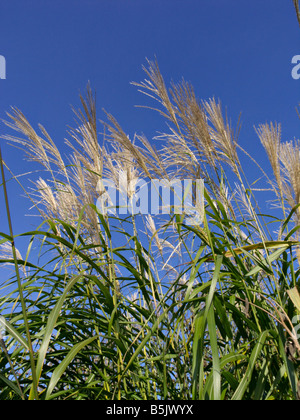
(132, 307)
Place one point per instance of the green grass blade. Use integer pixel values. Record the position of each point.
(242, 388)
(295, 297)
(61, 368)
(200, 326)
(15, 334)
(51, 325)
(11, 385)
(212, 329)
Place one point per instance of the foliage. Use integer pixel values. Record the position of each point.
(110, 307)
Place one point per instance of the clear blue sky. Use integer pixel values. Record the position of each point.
(237, 50)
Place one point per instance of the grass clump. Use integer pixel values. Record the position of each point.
(109, 306)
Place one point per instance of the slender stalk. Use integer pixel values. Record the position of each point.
(296, 4)
(20, 287)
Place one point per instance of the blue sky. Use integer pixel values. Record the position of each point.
(236, 50)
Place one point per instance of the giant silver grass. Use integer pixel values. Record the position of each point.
(187, 332)
(155, 87)
(193, 138)
(191, 143)
(270, 137)
(72, 186)
(34, 388)
(145, 158)
(285, 162)
(290, 160)
(37, 148)
(222, 135)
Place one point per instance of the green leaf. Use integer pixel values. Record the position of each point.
(15, 334)
(200, 325)
(295, 297)
(12, 386)
(61, 368)
(242, 388)
(51, 325)
(271, 258)
(215, 354)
